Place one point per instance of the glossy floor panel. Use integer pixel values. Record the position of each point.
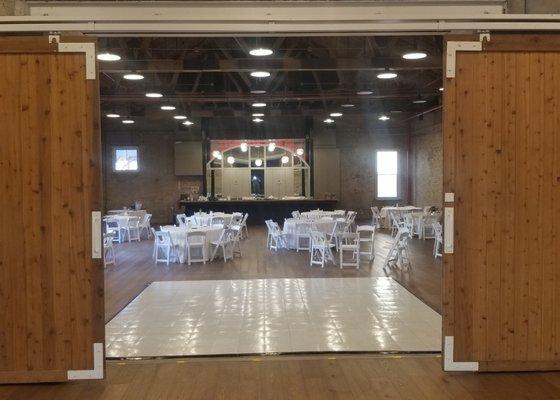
(177, 318)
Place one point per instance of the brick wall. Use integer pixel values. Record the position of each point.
(156, 185)
(427, 161)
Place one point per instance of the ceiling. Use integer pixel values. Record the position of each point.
(209, 78)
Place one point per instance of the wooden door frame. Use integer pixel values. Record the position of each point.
(486, 42)
(54, 44)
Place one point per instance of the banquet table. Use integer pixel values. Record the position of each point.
(386, 216)
(289, 229)
(179, 238)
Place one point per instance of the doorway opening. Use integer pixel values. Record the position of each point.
(246, 175)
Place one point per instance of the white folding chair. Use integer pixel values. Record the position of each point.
(277, 238)
(244, 226)
(112, 227)
(224, 244)
(164, 247)
(236, 240)
(181, 219)
(153, 232)
(375, 217)
(296, 214)
(132, 229)
(196, 240)
(145, 225)
(108, 250)
(320, 249)
(398, 253)
(303, 232)
(349, 242)
(366, 235)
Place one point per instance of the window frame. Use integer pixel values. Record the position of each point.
(398, 175)
(114, 160)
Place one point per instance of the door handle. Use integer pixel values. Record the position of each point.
(448, 230)
(96, 242)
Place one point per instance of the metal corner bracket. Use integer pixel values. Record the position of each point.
(87, 48)
(450, 365)
(454, 47)
(96, 372)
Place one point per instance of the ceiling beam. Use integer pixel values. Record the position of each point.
(285, 64)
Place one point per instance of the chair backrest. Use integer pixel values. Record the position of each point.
(146, 220)
(196, 237)
(111, 223)
(153, 231)
(217, 221)
(318, 238)
(107, 240)
(133, 222)
(351, 216)
(296, 214)
(375, 211)
(349, 238)
(162, 237)
(181, 219)
(365, 231)
(438, 230)
(244, 221)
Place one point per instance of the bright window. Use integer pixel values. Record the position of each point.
(387, 174)
(125, 159)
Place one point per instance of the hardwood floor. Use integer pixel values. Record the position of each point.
(293, 378)
(135, 269)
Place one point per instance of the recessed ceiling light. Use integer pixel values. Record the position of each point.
(419, 101)
(260, 52)
(364, 92)
(133, 77)
(347, 105)
(328, 121)
(179, 117)
(154, 94)
(258, 115)
(384, 118)
(387, 75)
(258, 105)
(127, 121)
(440, 89)
(257, 120)
(108, 57)
(260, 74)
(188, 123)
(112, 115)
(336, 114)
(415, 55)
(258, 91)
(168, 108)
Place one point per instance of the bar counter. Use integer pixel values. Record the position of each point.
(259, 210)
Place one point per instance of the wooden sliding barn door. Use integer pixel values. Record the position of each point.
(51, 273)
(501, 284)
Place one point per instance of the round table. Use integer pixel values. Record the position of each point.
(322, 214)
(179, 238)
(289, 228)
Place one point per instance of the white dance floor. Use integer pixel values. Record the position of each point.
(179, 318)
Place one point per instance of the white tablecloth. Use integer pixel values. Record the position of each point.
(386, 217)
(130, 213)
(320, 214)
(289, 229)
(179, 237)
(205, 219)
